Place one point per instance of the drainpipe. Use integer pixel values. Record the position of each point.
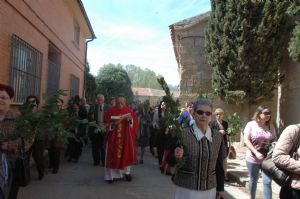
(85, 65)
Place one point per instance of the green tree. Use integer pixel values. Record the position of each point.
(91, 87)
(294, 44)
(143, 78)
(244, 45)
(112, 81)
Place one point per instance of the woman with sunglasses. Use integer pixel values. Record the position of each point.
(201, 176)
(258, 134)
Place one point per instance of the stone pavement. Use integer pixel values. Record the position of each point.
(238, 172)
(83, 180)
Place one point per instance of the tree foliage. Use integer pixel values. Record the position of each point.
(112, 81)
(294, 44)
(235, 125)
(142, 78)
(244, 44)
(170, 119)
(48, 122)
(91, 87)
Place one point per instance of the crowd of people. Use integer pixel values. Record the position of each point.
(121, 132)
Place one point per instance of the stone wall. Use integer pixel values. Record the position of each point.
(289, 103)
(196, 74)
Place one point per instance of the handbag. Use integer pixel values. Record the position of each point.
(280, 176)
(22, 167)
(264, 150)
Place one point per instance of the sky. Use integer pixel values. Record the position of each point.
(137, 32)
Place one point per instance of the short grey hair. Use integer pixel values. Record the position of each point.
(200, 102)
(100, 95)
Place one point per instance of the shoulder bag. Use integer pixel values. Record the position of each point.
(280, 176)
(22, 167)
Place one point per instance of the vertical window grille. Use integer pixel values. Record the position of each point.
(53, 77)
(26, 67)
(74, 88)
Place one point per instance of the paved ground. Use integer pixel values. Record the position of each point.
(82, 180)
(238, 173)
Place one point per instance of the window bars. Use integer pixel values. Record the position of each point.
(25, 70)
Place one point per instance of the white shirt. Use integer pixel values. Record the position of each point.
(198, 133)
(100, 113)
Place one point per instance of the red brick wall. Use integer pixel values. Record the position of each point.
(40, 22)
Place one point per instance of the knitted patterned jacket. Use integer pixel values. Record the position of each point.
(202, 169)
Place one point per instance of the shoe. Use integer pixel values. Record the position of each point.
(54, 171)
(152, 152)
(141, 161)
(168, 173)
(69, 159)
(96, 163)
(226, 179)
(41, 176)
(162, 170)
(75, 160)
(109, 181)
(128, 177)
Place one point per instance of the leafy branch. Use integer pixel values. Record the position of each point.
(235, 124)
(170, 119)
(49, 122)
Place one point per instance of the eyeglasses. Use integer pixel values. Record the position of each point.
(266, 113)
(200, 112)
(32, 101)
(4, 97)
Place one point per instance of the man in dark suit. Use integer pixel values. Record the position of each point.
(97, 113)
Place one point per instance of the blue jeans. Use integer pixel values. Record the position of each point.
(253, 170)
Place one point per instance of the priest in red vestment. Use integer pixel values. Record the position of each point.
(121, 131)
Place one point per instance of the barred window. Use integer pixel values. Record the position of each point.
(53, 77)
(26, 67)
(54, 60)
(74, 88)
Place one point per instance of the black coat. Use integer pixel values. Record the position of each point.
(214, 125)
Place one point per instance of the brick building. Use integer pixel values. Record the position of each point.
(43, 46)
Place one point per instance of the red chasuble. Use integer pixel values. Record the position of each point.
(120, 137)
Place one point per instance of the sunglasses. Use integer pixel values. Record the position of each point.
(266, 113)
(200, 112)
